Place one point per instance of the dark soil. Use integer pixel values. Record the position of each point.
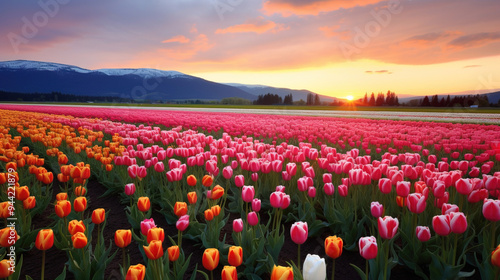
(117, 219)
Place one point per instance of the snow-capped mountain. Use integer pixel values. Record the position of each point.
(24, 76)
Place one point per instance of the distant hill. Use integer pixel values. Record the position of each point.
(138, 84)
(282, 92)
(493, 96)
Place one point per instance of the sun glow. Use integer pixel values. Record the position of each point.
(350, 97)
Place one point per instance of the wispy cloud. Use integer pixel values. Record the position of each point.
(378, 72)
(475, 40)
(313, 7)
(472, 66)
(258, 25)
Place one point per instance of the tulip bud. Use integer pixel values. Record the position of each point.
(147, 224)
(80, 204)
(334, 246)
(229, 273)
(44, 239)
(173, 253)
(495, 257)
(376, 209)
(441, 224)
(282, 273)
(256, 204)
(299, 232)
(368, 248)
(314, 268)
(130, 189)
(136, 272)
(237, 225)
(191, 180)
(210, 259)
(123, 237)
(75, 226)
(154, 250)
(235, 256)
(182, 223)
(252, 218)
(180, 208)
(423, 233)
(387, 227)
(79, 240)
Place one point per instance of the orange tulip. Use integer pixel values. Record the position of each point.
(44, 239)
(26, 149)
(98, 216)
(400, 201)
(40, 161)
(3, 178)
(66, 170)
(154, 250)
(136, 272)
(173, 253)
(210, 259)
(282, 273)
(229, 273)
(75, 172)
(21, 162)
(29, 203)
(180, 208)
(216, 210)
(63, 208)
(5, 269)
(11, 166)
(109, 167)
(207, 180)
(62, 178)
(209, 215)
(191, 180)
(495, 257)
(4, 210)
(62, 196)
(156, 233)
(5, 240)
(192, 197)
(333, 246)
(80, 204)
(47, 178)
(217, 192)
(22, 193)
(75, 226)
(79, 240)
(235, 256)
(85, 172)
(123, 237)
(143, 204)
(62, 159)
(80, 191)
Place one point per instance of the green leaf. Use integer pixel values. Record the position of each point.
(62, 276)
(360, 272)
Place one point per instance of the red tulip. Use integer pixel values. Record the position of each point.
(247, 193)
(403, 188)
(343, 190)
(416, 203)
(441, 224)
(299, 232)
(384, 185)
(368, 248)
(491, 210)
(458, 222)
(387, 227)
(448, 208)
(239, 180)
(423, 233)
(227, 172)
(129, 189)
(182, 223)
(252, 218)
(376, 209)
(237, 225)
(463, 186)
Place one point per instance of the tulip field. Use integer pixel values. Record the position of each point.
(92, 193)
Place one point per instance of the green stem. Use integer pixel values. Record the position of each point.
(179, 239)
(43, 264)
(386, 257)
(493, 236)
(333, 270)
(366, 269)
(124, 262)
(98, 235)
(298, 258)
(211, 275)
(455, 249)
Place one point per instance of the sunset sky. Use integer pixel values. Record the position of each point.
(332, 47)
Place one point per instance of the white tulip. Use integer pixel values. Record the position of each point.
(314, 268)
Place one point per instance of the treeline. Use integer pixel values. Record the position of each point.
(480, 100)
(57, 97)
(388, 99)
(273, 99)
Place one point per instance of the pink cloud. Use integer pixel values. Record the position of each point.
(177, 39)
(335, 31)
(299, 7)
(258, 25)
(188, 50)
(474, 40)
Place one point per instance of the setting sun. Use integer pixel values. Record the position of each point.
(350, 97)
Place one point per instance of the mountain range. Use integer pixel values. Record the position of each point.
(24, 76)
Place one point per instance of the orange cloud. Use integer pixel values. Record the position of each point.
(258, 25)
(378, 72)
(300, 7)
(188, 50)
(428, 39)
(474, 40)
(333, 32)
(177, 39)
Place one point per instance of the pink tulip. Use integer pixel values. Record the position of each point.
(237, 225)
(276, 199)
(403, 188)
(291, 169)
(252, 218)
(285, 201)
(343, 190)
(227, 172)
(448, 208)
(129, 189)
(286, 176)
(146, 225)
(182, 223)
(327, 178)
(463, 186)
(423, 233)
(132, 171)
(491, 209)
(416, 202)
(254, 177)
(309, 172)
(311, 192)
(376, 209)
(302, 184)
(142, 172)
(256, 204)
(280, 188)
(329, 188)
(458, 222)
(438, 189)
(387, 227)
(441, 224)
(159, 166)
(384, 185)
(368, 248)
(239, 180)
(477, 195)
(299, 232)
(247, 193)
